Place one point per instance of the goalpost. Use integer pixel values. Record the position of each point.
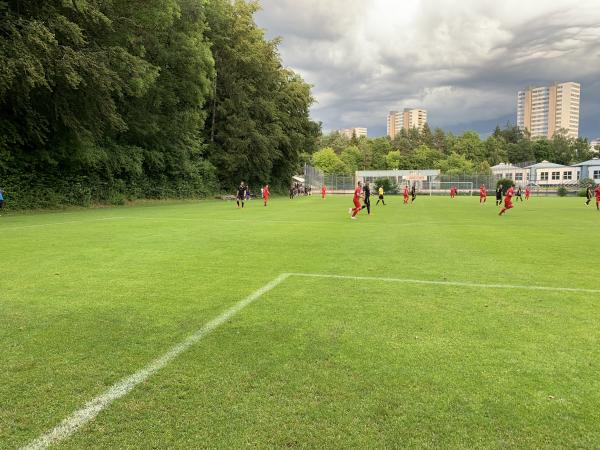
(443, 187)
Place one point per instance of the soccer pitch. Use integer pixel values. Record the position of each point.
(199, 325)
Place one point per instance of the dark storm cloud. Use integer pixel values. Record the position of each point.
(463, 61)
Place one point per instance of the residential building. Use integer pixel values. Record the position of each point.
(357, 131)
(394, 123)
(545, 110)
(590, 169)
(551, 174)
(407, 119)
(414, 118)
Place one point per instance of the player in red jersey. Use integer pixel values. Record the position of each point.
(482, 194)
(598, 198)
(527, 193)
(357, 206)
(508, 200)
(323, 191)
(266, 194)
(406, 195)
(452, 192)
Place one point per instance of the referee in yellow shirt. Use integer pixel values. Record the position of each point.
(381, 199)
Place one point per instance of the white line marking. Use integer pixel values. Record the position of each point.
(449, 283)
(22, 227)
(92, 408)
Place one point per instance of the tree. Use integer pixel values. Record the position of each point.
(393, 159)
(456, 164)
(495, 150)
(352, 158)
(259, 120)
(469, 144)
(424, 158)
(328, 162)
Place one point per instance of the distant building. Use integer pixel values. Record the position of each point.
(407, 119)
(595, 145)
(414, 118)
(358, 132)
(545, 110)
(394, 123)
(519, 175)
(542, 174)
(399, 176)
(590, 169)
(550, 174)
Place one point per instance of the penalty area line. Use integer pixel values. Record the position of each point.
(448, 283)
(91, 409)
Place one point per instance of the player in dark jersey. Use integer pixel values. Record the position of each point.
(499, 195)
(413, 193)
(367, 198)
(589, 193)
(519, 194)
(241, 194)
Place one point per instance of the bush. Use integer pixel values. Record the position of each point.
(388, 185)
(582, 193)
(562, 191)
(505, 183)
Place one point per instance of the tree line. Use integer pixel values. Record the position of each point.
(453, 154)
(104, 100)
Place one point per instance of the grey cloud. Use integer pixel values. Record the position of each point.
(463, 61)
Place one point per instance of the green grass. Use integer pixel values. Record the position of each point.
(89, 297)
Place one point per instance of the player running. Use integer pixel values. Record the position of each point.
(598, 197)
(406, 195)
(482, 194)
(323, 191)
(241, 194)
(413, 193)
(499, 195)
(367, 198)
(452, 192)
(381, 195)
(357, 206)
(527, 192)
(508, 200)
(266, 194)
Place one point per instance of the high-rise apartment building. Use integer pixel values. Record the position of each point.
(545, 110)
(407, 119)
(357, 131)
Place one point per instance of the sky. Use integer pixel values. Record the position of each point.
(462, 60)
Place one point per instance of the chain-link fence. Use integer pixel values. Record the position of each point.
(341, 184)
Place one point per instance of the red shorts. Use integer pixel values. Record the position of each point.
(508, 204)
(357, 203)
(598, 199)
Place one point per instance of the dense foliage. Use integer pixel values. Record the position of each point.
(452, 154)
(108, 99)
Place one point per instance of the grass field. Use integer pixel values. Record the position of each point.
(447, 360)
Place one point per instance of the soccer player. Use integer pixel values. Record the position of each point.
(367, 198)
(406, 195)
(527, 192)
(241, 194)
(266, 194)
(452, 192)
(482, 194)
(413, 192)
(357, 207)
(519, 194)
(598, 197)
(499, 195)
(381, 194)
(508, 200)
(323, 191)
(589, 194)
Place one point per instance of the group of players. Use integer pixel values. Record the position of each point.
(364, 194)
